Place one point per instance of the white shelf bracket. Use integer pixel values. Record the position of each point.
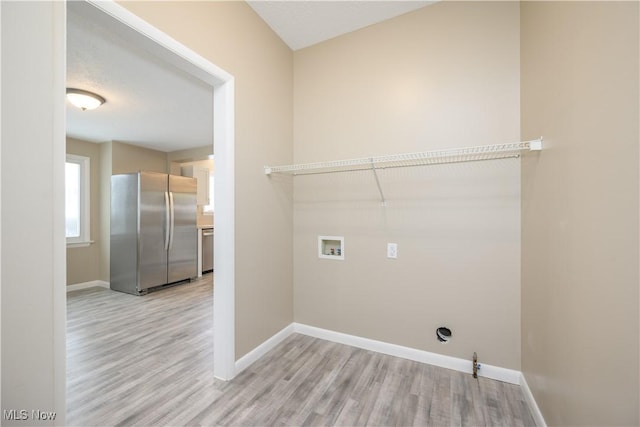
(375, 175)
(535, 145)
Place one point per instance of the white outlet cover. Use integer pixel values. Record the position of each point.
(392, 250)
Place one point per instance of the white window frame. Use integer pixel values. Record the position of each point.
(85, 202)
(208, 209)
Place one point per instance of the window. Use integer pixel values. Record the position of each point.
(209, 208)
(211, 165)
(77, 200)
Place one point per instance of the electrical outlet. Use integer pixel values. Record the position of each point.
(392, 250)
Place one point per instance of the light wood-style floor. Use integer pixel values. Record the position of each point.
(148, 361)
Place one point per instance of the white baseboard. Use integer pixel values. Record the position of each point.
(533, 406)
(85, 285)
(245, 361)
(449, 362)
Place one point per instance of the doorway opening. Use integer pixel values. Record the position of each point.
(155, 42)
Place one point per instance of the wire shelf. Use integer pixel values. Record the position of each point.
(456, 155)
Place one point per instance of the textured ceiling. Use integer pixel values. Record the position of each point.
(149, 102)
(303, 23)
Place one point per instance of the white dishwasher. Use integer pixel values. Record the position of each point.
(207, 250)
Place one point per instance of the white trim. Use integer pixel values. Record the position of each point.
(224, 339)
(83, 244)
(58, 249)
(160, 44)
(449, 362)
(0, 191)
(84, 163)
(248, 359)
(531, 401)
(85, 285)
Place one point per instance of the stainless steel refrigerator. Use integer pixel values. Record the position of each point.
(153, 231)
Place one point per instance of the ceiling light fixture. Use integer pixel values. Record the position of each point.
(84, 100)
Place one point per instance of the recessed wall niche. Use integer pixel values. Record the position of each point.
(331, 247)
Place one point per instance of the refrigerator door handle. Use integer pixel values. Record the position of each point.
(173, 217)
(167, 221)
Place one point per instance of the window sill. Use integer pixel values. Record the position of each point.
(79, 244)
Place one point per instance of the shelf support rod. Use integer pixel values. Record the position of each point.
(375, 175)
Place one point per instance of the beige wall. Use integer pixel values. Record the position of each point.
(232, 36)
(444, 76)
(174, 158)
(580, 330)
(83, 263)
(128, 158)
